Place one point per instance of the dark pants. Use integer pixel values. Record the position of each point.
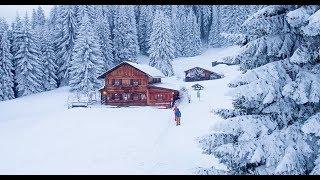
(177, 121)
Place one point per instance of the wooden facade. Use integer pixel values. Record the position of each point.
(126, 85)
(200, 74)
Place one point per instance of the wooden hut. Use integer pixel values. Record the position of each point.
(132, 84)
(200, 74)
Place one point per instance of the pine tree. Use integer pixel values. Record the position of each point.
(16, 30)
(38, 29)
(41, 19)
(145, 27)
(33, 18)
(161, 47)
(275, 96)
(215, 30)
(49, 60)
(28, 65)
(227, 19)
(191, 39)
(65, 42)
(125, 35)
(87, 60)
(204, 18)
(108, 12)
(304, 90)
(104, 34)
(81, 10)
(6, 65)
(176, 30)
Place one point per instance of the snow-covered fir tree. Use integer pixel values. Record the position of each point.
(49, 60)
(145, 27)
(133, 22)
(166, 9)
(161, 50)
(304, 90)
(40, 18)
(104, 34)
(204, 16)
(64, 42)
(272, 100)
(38, 28)
(16, 30)
(81, 10)
(191, 36)
(87, 60)
(176, 30)
(53, 19)
(215, 29)
(6, 65)
(33, 18)
(125, 38)
(108, 12)
(28, 69)
(228, 19)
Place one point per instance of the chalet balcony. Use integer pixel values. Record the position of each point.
(125, 87)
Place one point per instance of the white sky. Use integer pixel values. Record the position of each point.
(9, 12)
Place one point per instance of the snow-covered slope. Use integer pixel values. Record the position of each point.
(39, 135)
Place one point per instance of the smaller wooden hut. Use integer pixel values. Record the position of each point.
(200, 74)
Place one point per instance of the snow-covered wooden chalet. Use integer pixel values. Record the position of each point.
(132, 84)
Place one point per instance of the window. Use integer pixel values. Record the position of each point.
(117, 82)
(126, 96)
(136, 97)
(117, 97)
(159, 97)
(135, 82)
(156, 80)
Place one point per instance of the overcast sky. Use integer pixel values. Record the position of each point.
(9, 12)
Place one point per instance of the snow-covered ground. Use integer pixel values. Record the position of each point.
(39, 135)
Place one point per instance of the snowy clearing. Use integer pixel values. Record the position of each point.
(39, 135)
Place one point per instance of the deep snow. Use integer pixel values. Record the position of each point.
(39, 135)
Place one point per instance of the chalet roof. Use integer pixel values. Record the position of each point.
(149, 70)
(197, 67)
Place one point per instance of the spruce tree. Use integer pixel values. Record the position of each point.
(28, 72)
(49, 60)
(162, 46)
(104, 34)
(272, 100)
(65, 42)
(6, 65)
(145, 27)
(87, 60)
(125, 35)
(176, 26)
(191, 39)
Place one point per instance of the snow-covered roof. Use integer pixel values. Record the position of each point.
(202, 67)
(168, 83)
(149, 70)
(152, 71)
